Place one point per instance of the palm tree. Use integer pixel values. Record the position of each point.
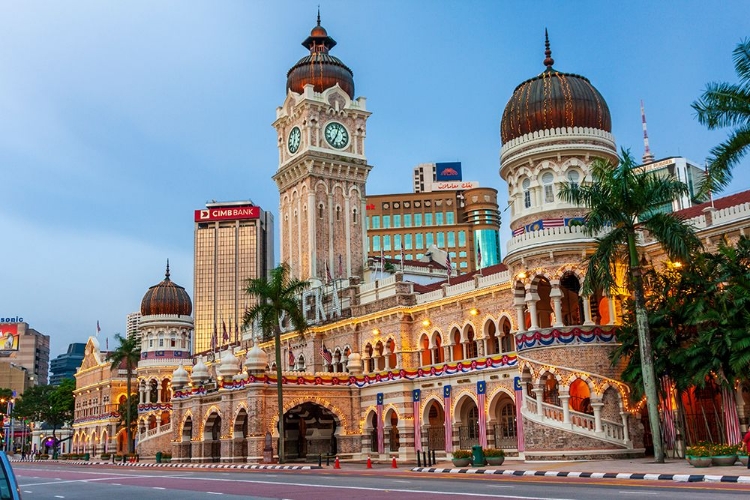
(276, 297)
(622, 202)
(727, 105)
(128, 352)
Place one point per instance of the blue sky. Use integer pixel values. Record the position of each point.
(118, 119)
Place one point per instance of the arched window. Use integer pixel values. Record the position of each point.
(320, 211)
(338, 214)
(573, 177)
(549, 190)
(355, 216)
(526, 193)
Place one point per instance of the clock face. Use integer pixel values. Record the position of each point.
(295, 136)
(336, 135)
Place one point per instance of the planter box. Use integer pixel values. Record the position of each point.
(461, 462)
(723, 460)
(699, 461)
(495, 461)
(742, 459)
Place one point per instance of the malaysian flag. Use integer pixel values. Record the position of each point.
(448, 263)
(559, 222)
(97, 327)
(448, 423)
(225, 335)
(481, 395)
(518, 388)
(326, 354)
(416, 396)
(479, 255)
(329, 278)
(519, 231)
(291, 359)
(381, 437)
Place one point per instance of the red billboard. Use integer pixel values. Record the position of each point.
(8, 336)
(227, 213)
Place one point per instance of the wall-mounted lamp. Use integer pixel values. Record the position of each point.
(473, 311)
(375, 331)
(522, 275)
(425, 322)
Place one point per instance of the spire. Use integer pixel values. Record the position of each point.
(318, 15)
(166, 275)
(548, 61)
(648, 157)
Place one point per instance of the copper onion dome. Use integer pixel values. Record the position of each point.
(166, 298)
(551, 100)
(320, 69)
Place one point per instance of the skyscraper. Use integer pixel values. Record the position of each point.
(131, 325)
(233, 243)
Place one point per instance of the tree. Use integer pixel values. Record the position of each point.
(623, 202)
(276, 298)
(46, 403)
(727, 105)
(127, 353)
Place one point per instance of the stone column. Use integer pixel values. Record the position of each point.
(611, 309)
(565, 403)
(531, 303)
(587, 311)
(597, 406)
(556, 296)
(538, 395)
(625, 430)
(448, 353)
(518, 303)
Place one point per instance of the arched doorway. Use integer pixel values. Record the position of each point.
(374, 425)
(187, 438)
(572, 305)
(493, 341)
(435, 426)
(467, 418)
(394, 439)
(240, 435)
(212, 436)
(310, 429)
(580, 397)
(504, 426)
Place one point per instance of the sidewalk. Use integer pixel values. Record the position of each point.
(677, 470)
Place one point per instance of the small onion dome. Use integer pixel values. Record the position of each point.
(166, 298)
(320, 69)
(229, 364)
(180, 376)
(257, 360)
(553, 100)
(200, 372)
(354, 363)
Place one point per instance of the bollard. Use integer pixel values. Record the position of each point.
(393, 464)
(320, 459)
(336, 464)
(426, 456)
(419, 460)
(433, 457)
(328, 460)
(369, 462)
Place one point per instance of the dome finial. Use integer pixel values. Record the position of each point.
(166, 275)
(548, 61)
(318, 15)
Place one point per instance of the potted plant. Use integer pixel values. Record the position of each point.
(494, 456)
(166, 457)
(699, 455)
(742, 455)
(724, 454)
(461, 458)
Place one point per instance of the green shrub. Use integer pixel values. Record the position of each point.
(724, 449)
(462, 454)
(701, 449)
(493, 452)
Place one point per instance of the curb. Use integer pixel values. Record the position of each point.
(180, 465)
(681, 478)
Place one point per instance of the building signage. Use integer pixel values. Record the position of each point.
(16, 319)
(448, 171)
(9, 337)
(454, 185)
(227, 213)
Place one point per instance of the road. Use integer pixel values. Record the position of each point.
(71, 482)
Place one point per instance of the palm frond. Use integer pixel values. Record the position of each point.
(741, 57)
(725, 157)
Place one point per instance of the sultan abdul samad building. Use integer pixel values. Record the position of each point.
(512, 357)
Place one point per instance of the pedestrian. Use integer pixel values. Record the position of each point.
(746, 444)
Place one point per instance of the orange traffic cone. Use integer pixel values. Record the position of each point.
(336, 464)
(369, 462)
(393, 464)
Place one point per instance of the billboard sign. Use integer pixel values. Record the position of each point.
(448, 171)
(227, 213)
(9, 337)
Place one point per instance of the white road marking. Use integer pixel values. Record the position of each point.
(159, 488)
(637, 493)
(213, 493)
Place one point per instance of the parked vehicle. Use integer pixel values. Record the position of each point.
(9, 489)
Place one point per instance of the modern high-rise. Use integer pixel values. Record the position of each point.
(463, 223)
(131, 324)
(233, 243)
(65, 365)
(27, 348)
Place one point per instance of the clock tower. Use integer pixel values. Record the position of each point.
(322, 166)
